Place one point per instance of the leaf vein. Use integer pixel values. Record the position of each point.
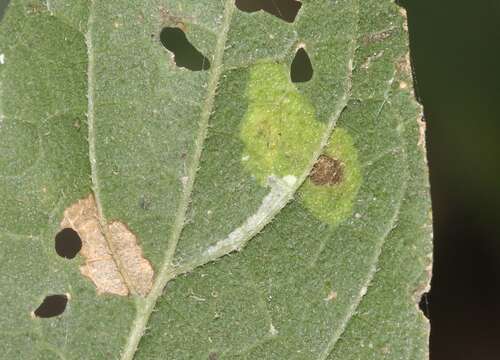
(146, 306)
(91, 80)
(371, 274)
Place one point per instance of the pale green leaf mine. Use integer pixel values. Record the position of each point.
(280, 130)
(333, 204)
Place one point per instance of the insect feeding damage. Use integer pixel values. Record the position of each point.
(327, 171)
(133, 274)
(334, 181)
(279, 129)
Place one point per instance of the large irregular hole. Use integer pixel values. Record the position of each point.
(52, 305)
(185, 54)
(301, 69)
(424, 304)
(68, 243)
(286, 10)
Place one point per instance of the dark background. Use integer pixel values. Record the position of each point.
(456, 58)
(455, 49)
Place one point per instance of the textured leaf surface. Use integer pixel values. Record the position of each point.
(209, 170)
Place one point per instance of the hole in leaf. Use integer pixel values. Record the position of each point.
(286, 10)
(68, 243)
(301, 69)
(185, 54)
(424, 304)
(52, 305)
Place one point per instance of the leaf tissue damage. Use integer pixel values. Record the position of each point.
(113, 260)
(327, 171)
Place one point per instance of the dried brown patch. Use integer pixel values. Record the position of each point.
(113, 260)
(327, 171)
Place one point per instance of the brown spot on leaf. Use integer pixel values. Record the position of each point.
(327, 171)
(113, 260)
(213, 356)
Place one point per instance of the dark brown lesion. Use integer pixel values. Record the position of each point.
(327, 171)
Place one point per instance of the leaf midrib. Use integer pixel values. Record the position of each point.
(145, 306)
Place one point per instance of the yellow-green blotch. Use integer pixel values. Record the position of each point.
(333, 203)
(279, 130)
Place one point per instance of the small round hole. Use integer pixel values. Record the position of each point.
(52, 305)
(68, 243)
(301, 69)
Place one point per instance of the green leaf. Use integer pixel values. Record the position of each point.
(281, 220)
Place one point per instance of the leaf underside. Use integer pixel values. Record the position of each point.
(92, 103)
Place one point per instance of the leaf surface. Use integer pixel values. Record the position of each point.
(208, 171)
